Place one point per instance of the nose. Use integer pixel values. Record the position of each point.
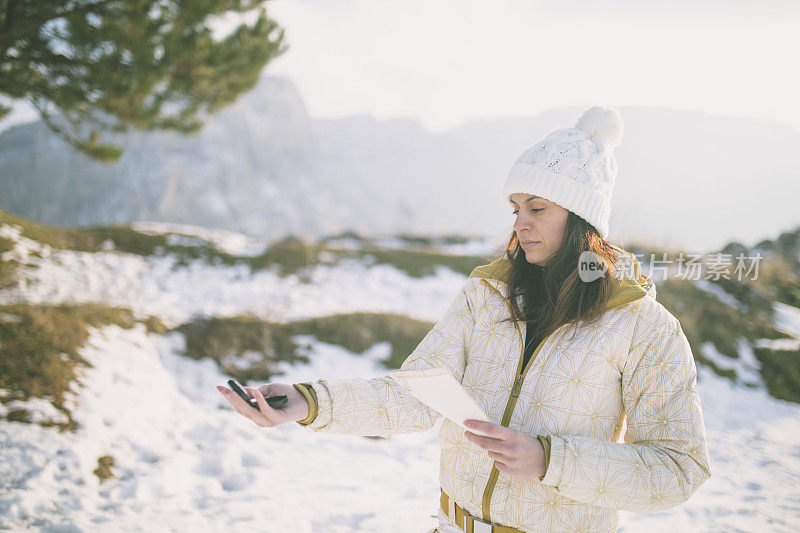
(521, 223)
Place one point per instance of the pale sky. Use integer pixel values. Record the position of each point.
(447, 61)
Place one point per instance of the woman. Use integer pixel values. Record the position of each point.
(563, 345)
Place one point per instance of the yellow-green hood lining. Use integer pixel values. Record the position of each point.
(625, 290)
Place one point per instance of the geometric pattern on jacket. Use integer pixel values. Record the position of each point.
(632, 374)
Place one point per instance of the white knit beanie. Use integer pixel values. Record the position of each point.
(573, 167)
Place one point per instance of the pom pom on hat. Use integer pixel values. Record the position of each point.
(601, 122)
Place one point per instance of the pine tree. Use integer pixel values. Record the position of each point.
(97, 66)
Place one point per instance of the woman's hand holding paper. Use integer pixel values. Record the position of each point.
(515, 453)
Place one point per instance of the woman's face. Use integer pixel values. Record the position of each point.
(539, 226)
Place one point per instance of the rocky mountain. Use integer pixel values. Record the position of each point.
(264, 167)
(256, 167)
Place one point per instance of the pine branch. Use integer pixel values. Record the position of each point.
(12, 34)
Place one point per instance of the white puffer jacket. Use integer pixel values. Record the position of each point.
(630, 374)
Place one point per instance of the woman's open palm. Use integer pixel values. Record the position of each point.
(296, 407)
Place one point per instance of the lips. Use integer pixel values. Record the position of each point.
(528, 243)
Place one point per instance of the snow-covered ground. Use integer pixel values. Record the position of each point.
(185, 460)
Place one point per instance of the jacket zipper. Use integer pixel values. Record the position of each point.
(512, 401)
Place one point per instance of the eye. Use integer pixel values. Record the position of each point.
(531, 210)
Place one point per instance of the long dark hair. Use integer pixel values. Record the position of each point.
(554, 295)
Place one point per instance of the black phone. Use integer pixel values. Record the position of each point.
(272, 401)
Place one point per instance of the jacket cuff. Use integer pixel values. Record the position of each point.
(555, 465)
(545, 440)
(311, 397)
(323, 405)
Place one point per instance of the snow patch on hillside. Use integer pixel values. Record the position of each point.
(151, 285)
(230, 242)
